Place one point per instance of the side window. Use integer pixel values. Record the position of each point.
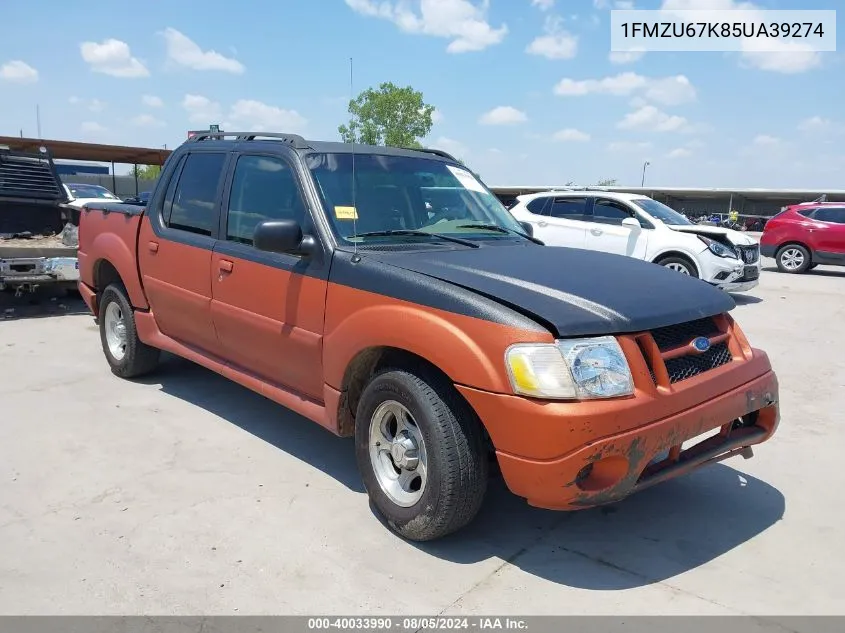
(537, 205)
(609, 212)
(263, 188)
(195, 198)
(167, 205)
(830, 214)
(569, 208)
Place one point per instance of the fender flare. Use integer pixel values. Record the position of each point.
(473, 359)
(114, 250)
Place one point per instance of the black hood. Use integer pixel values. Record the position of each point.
(575, 292)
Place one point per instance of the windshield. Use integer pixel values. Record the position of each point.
(660, 211)
(401, 193)
(91, 191)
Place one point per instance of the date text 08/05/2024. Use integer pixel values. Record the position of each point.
(414, 623)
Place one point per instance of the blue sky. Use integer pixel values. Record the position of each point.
(526, 91)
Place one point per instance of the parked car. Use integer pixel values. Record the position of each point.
(387, 295)
(642, 228)
(141, 200)
(805, 235)
(81, 194)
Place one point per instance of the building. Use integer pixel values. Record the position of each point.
(72, 168)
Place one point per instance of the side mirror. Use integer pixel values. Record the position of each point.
(278, 236)
(632, 223)
(528, 228)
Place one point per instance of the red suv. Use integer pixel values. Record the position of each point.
(805, 235)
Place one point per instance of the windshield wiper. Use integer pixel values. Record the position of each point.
(500, 229)
(440, 236)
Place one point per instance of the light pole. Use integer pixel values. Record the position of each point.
(645, 164)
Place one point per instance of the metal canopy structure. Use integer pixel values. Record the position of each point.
(72, 150)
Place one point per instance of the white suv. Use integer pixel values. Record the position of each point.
(638, 226)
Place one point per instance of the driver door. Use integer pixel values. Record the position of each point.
(606, 232)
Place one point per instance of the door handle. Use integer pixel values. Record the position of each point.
(541, 223)
(153, 246)
(226, 266)
(596, 231)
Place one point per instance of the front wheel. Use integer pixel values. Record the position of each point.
(679, 265)
(126, 354)
(793, 258)
(421, 455)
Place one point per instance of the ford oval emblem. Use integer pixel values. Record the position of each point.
(701, 344)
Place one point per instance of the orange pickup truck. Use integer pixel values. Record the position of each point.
(386, 294)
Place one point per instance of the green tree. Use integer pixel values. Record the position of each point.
(146, 172)
(391, 115)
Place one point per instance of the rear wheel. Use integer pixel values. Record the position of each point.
(679, 264)
(421, 455)
(127, 356)
(793, 258)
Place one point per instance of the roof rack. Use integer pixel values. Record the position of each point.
(296, 140)
(432, 150)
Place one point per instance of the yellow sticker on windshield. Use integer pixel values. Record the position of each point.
(345, 213)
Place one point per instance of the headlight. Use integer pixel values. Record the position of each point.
(717, 248)
(570, 369)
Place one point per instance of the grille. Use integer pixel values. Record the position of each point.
(682, 333)
(689, 366)
(750, 254)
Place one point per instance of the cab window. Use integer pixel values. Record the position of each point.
(263, 188)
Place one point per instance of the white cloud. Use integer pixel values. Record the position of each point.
(628, 146)
(543, 5)
(791, 58)
(18, 72)
(503, 115)
(455, 148)
(618, 4)
(436, 116)
(680, 152)
(201, 109)
(183, 51)
(672, 90)
(261, 117)
(92, 127)
(461, 21)
(74, 100)
(147, 120)
(152, 101)
(570, 135)
(766, 140)
(95, 105)
(556, 43)
(245, 114)
(625, 57)
(650, 119)
(112, 57)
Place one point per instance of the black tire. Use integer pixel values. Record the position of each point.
(787, 252)
(681, 261)
(138, 358)
(457, 461)
(811, 266)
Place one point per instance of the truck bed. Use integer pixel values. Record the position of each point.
(36, 246)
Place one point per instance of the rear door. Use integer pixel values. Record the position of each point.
(606, 232)
(268, 308)
(829, 232)
(565, 222)
(174, 248)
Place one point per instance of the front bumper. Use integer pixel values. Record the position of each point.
(602, 466)
(38, 270)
